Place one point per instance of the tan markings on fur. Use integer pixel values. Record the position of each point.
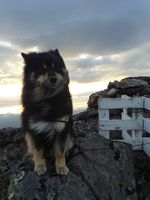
(60, 161)
(46, 76)
(37, 93)
(38, 156)
(42, 78)
(59, 77)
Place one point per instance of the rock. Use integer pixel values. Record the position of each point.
(98, 170)
(128, 83)
(93, 98)
(12, 152)
(132, 86)
(89, 113)
(142, 174)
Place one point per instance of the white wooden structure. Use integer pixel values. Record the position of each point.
(133, 127)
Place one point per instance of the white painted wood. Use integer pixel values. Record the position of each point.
(113, 124)
(103, 115)
(146, 122)
(124, 114)
(127, 138)
(137, 134)
(116, 103)
(146, 103)
(125, 135)
(146, 145)
(136, 123)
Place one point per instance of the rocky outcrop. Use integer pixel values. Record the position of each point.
(132, 86)
(98, 169)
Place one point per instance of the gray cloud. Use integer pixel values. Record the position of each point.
(91, 36)
(74, 28)
(10, 71)
(98, 28)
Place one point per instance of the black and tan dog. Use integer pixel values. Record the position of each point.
(47, 109)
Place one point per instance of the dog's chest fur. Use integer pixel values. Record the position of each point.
(42, 126)
(47, 128)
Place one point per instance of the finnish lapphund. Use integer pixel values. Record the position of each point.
(47, 109)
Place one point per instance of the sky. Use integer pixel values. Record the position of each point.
(100, 41)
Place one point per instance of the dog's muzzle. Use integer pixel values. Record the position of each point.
(52, 81)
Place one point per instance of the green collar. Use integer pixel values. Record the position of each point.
(64, 119)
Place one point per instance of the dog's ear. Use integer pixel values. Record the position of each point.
(24, 56)
(56, 50)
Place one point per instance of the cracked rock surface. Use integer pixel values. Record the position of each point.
(98, 170)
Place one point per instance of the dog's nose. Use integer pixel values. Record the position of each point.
(53, 80)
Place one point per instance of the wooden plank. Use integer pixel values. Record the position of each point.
(146, 145)
(128, 124)
(125, 135)
(137, 134)
(146, 122)
(117, 103)
(104, 115)
(124, 115)
(146, 103)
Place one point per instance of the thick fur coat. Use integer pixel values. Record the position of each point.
(47, 109)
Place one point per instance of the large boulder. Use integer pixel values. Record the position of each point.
(98, 169)
(131, 86)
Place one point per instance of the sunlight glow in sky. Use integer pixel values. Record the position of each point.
(77, 89)
(100, 41)
(10, 90)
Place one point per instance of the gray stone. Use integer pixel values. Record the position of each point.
(96, 171)
(131, 86)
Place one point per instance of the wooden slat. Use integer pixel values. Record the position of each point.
(146, 124)
(125, 135)
(119, 124)
(146, 103)
(146, 145)
(104, 115)
(117, 103)
(137, 134)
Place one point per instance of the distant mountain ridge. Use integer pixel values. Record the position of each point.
(10, 120)
(14, 120)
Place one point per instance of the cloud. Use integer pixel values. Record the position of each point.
(134, 62)
(91, 29)
(94, 35)
(5, 101)
(10, 69)
(115, 36)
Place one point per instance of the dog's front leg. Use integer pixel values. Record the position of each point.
(60, 161)
(38, 155)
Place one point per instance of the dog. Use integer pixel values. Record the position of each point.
(47, 109)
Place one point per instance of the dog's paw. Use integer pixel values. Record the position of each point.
(40, 169)
(62, 170)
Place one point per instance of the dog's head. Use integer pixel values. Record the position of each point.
(45, 72)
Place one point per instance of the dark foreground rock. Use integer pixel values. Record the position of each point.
(98, 170)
